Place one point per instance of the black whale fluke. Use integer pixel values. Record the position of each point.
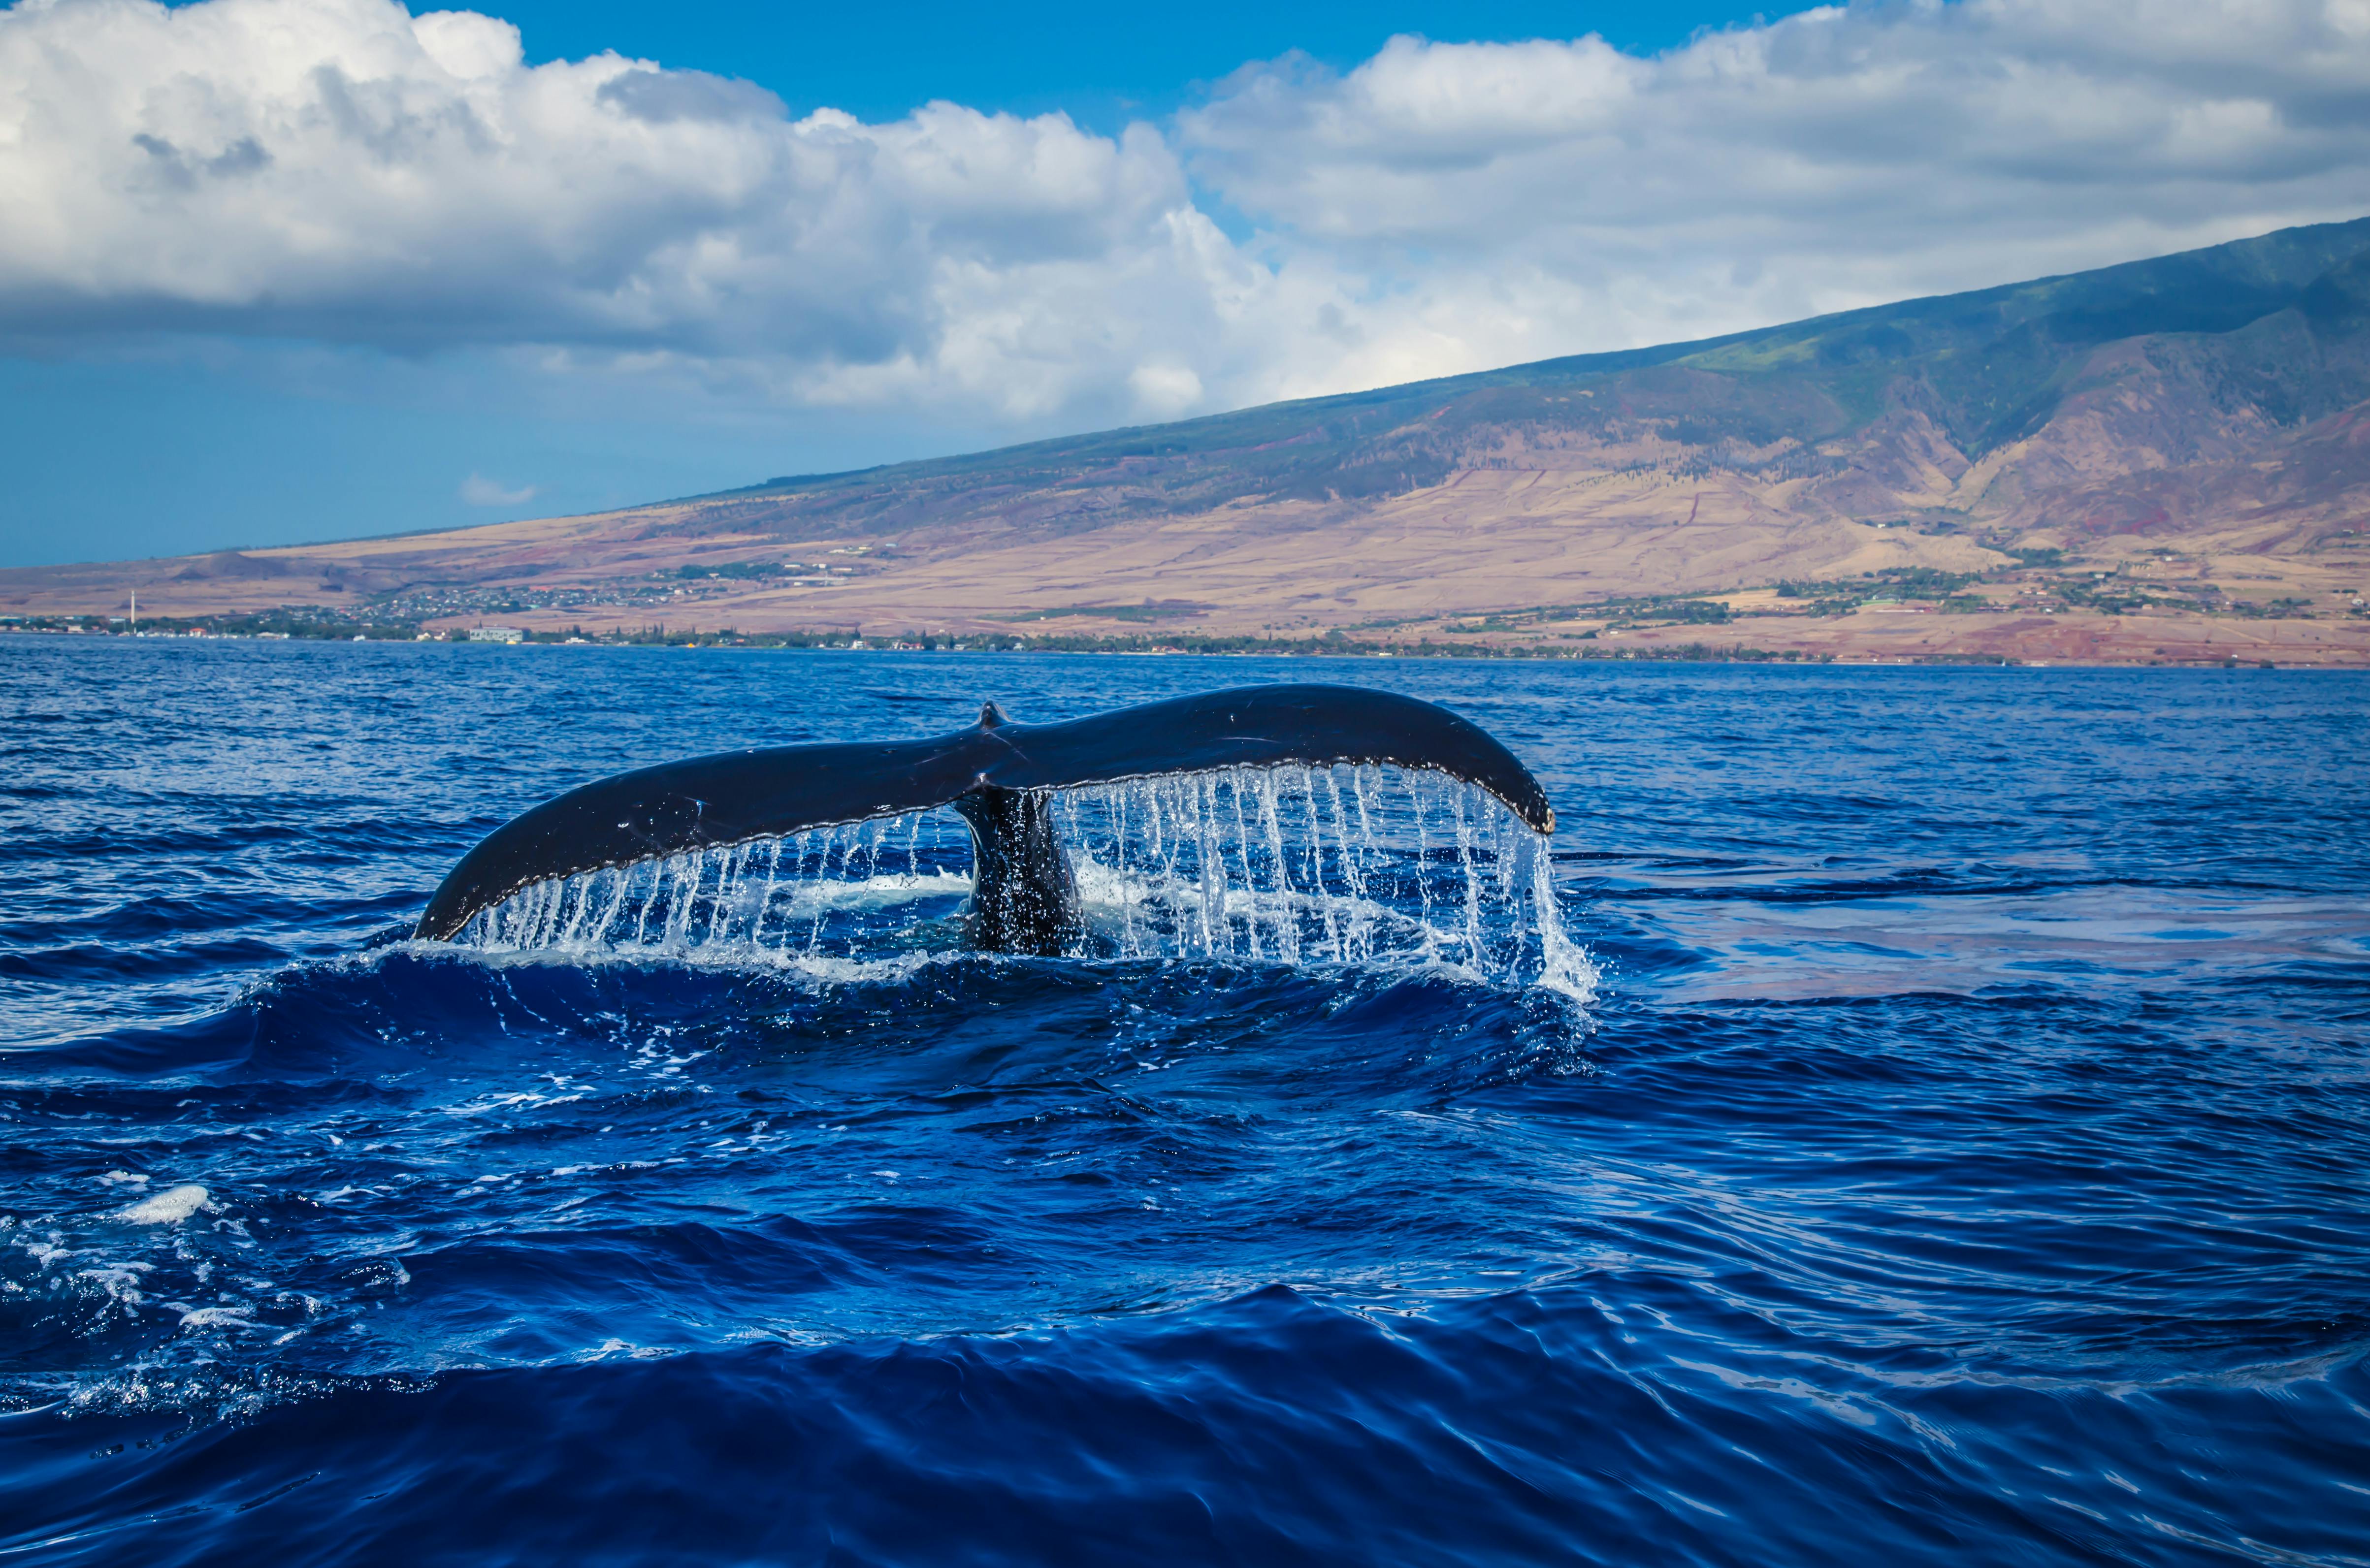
(998, 774)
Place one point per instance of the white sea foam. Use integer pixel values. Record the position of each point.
(220, 1318)
(120, 1282)
(170, 1206)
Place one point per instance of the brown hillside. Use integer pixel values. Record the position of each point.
(2192, 427)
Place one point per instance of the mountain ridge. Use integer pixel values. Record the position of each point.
(2200, 409)
(2263, 274)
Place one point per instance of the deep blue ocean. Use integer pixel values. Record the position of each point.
(1951, 1147)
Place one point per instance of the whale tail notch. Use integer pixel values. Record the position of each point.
(1000, 776)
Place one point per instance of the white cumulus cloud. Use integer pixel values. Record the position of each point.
(480, 491)
(1557, 193)
(342, 172)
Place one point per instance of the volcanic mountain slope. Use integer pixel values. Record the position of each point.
(2201, 408)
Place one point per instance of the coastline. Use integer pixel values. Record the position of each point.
(1641, 646)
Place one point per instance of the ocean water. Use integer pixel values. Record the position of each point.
(1902, 1115)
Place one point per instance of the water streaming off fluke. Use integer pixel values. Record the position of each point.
(1346, 865)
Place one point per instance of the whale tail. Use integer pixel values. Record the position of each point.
(998, 775)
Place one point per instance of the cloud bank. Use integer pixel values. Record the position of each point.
(340, 171)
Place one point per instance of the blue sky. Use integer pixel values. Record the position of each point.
(1101, 64)
(287, 269)
(134, 453)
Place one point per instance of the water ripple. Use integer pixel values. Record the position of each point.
(1958, 1152)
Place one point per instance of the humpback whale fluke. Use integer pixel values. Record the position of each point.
(1000, 776)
